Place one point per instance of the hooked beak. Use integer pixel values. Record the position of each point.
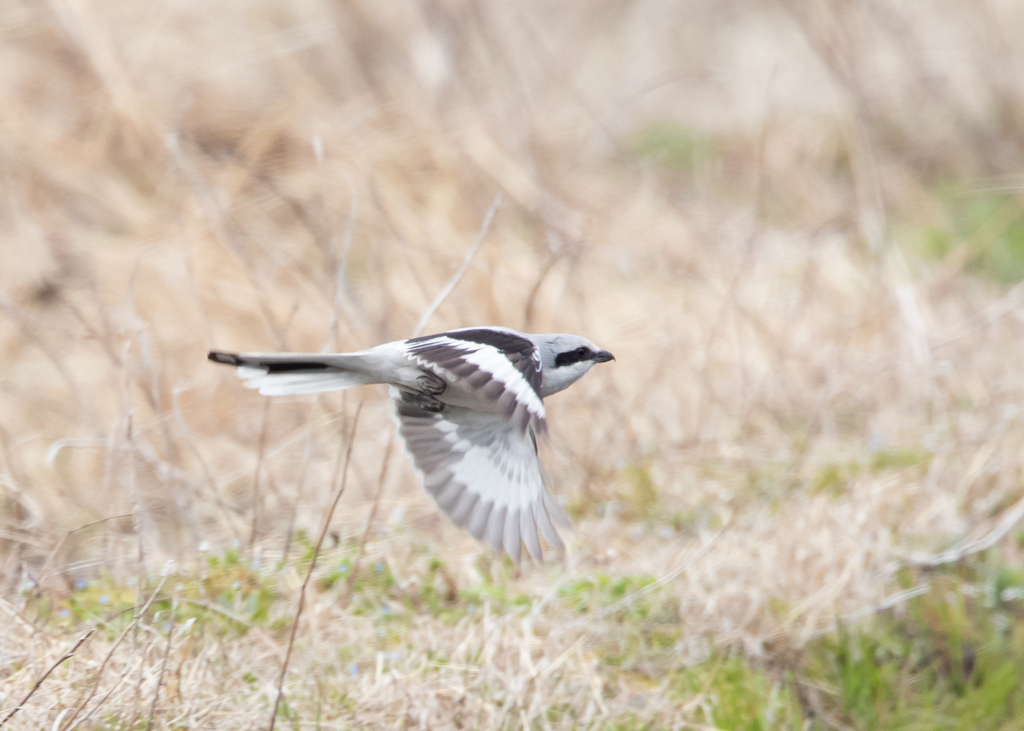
(602, 356)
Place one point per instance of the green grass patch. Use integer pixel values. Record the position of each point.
(987, 230)
(672, 146)
(640, 498)
(602, 591)
(730, 693)
(946, 661)
(898, 458)
(950, 659)
(833, 479)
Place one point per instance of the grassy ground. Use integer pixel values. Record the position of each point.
(796, 493)
(609, 650)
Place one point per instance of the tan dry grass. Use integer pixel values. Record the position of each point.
(188, 175)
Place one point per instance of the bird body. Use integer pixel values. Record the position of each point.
(469, 405)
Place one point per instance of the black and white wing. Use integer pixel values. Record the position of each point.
(500, 367)
(484, 473)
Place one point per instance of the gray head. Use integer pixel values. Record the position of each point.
(565, 359)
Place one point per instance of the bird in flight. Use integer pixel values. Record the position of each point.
(469, 405)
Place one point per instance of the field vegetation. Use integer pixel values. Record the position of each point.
(796, 494)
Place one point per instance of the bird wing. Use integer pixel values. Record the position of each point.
(500, 366)
(484, 473)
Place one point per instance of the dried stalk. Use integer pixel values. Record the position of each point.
(163, 668)
(260, 450)
(45, 675)
(110, 653)
(466, 261)
(369, 522)
(970, 547)
(312, 564)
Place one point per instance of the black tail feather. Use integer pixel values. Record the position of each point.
(225, 358)
(305, 366)
(269, 365)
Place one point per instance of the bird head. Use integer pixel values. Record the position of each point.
(565, 359)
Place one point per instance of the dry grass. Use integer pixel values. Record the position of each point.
(731, 197)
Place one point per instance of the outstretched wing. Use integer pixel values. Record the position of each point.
(500, 366)
(484, 473)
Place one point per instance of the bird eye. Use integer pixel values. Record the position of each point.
(571, 357)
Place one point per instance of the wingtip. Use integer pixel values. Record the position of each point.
(225, 358)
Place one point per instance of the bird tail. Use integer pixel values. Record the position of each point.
(279, 374)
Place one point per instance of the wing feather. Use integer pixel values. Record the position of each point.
(464, 508)
(555, 511)
(496, 527)
(484, 473)
(529, 533)
(547, 529)
(513, 544)
(448, 496)
(478, 523)
(498, 367)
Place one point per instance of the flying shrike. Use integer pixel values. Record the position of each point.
(469, 404)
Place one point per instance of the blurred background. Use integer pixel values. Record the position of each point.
(798, 224)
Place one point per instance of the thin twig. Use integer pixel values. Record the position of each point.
(163, 667)
(219, 610)
(62, 541)
(45, 675)
(136, 493)
(260, 449)
(531, 298)
(462, 269)
(127, 672)
(854, 616)
(31, 332)
(968, 547)
(369, 522)
(340, 291)
(13, 611)
(190, 440)
(110, 653)
(218, 216)
(312, 564)
(887, 603)
(306, 452)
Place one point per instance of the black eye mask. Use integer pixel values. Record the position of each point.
(573, 356)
